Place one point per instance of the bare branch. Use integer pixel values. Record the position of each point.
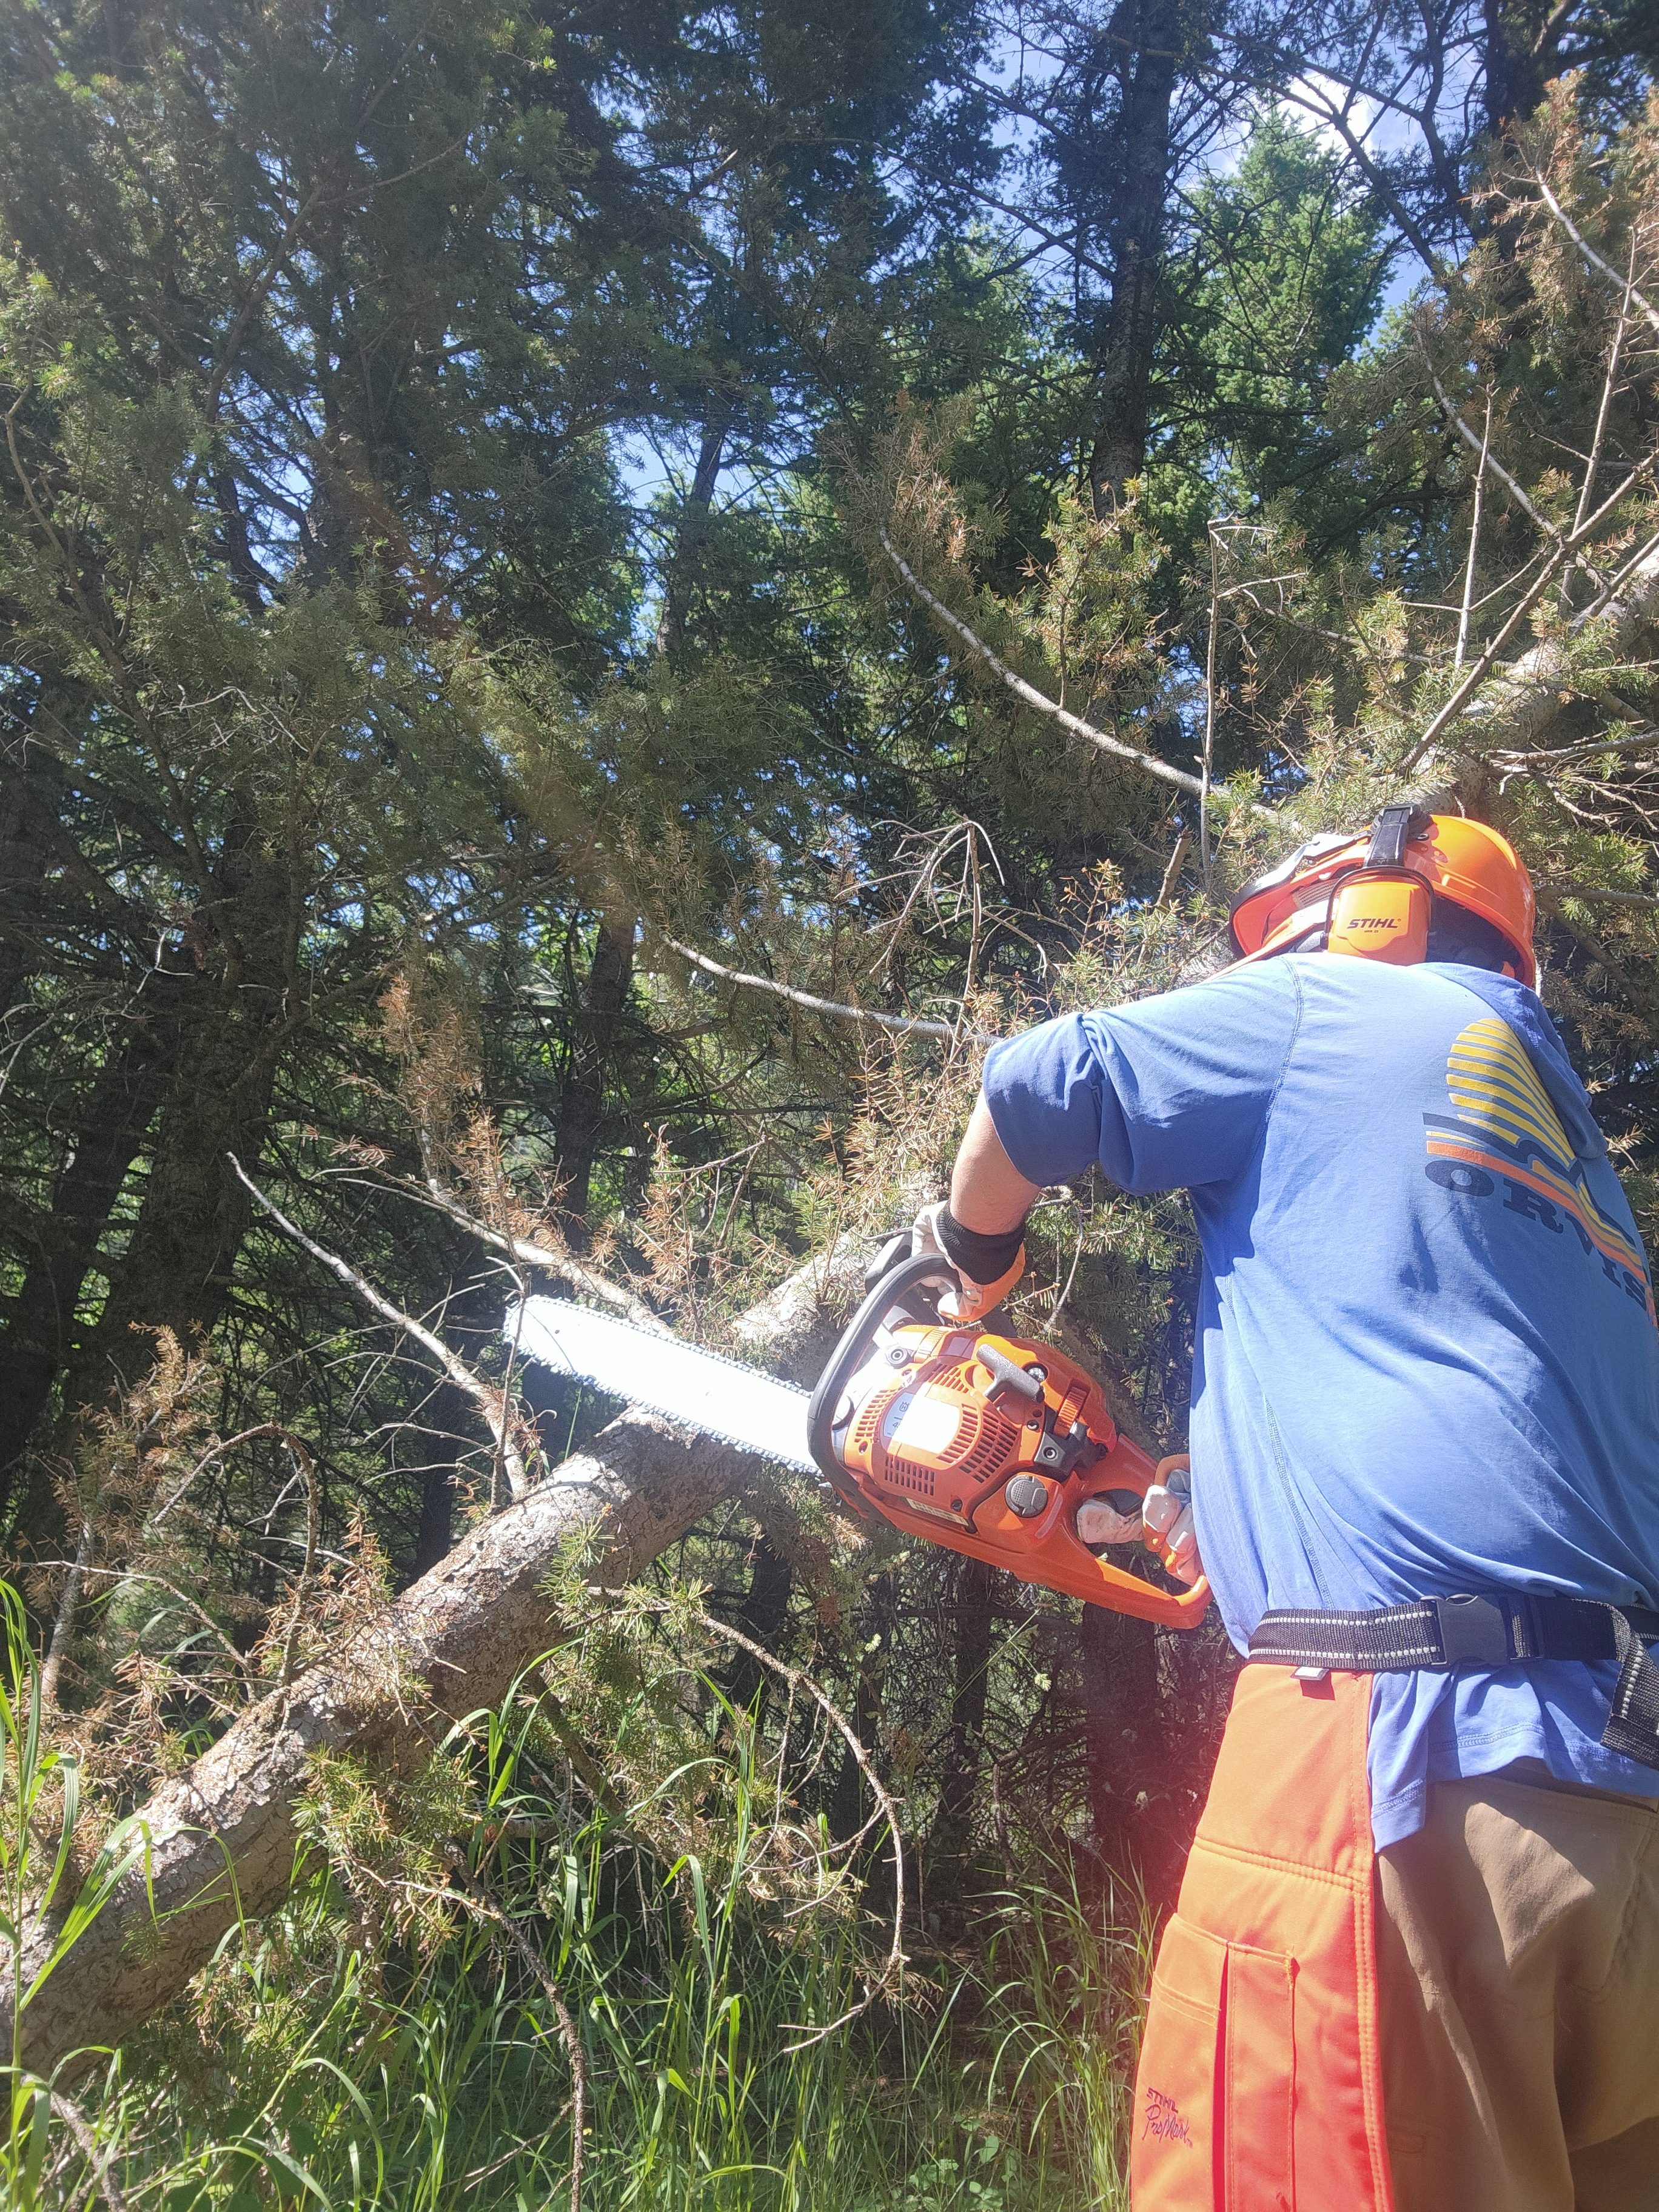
(1566, 547)
(485, 1909)
(62, 1629)
(1173, 867)
(291, 1639)
(1624, 284)
(1474, 531)
(799, 1681)
(553, 1257)
(492, 1404)
(1148, 763)
(900, 1024)
(87, 2143)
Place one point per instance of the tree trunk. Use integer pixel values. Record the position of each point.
(761, 1617)
(1121, 1728)
(694, 516)
(25, 854)
(846, 1805)
(222, 1836)
(951, 1837)
(38, 1339)
(1148, 38)
(454, 1423)
(1522, 44)
(582, 1108)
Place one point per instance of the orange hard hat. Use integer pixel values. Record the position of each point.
(1288, 909)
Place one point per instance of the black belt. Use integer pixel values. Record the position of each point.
(1492, 1628)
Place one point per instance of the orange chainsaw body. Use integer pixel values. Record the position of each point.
(987, 1444)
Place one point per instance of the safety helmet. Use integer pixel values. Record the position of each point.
(1375, 895)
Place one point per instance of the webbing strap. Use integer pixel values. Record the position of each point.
(1633, 1724)
(1494, 1628)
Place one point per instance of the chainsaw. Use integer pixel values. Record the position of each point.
(983, 1442)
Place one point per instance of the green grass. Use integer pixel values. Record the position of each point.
(379, 2043)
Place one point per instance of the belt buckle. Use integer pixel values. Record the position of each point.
(1475, 1631)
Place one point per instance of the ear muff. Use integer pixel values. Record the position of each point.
(1382, 918)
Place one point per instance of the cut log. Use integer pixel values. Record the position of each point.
(222, 1836)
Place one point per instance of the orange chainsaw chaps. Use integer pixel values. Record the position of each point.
(1259, 2083)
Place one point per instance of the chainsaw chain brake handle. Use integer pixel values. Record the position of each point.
(984, 1443)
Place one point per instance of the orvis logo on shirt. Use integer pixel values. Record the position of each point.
(1507, 1135)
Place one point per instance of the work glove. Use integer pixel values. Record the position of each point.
(1099, 1522)
(1166, 1514)
(936, 1232)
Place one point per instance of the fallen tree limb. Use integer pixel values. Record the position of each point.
(222, 1838)
(1520, 702)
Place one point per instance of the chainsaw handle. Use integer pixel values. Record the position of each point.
(849, 1355)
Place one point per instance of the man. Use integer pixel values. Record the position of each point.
(1416, 1958)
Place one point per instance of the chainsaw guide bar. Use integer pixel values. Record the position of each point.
(703, 1390)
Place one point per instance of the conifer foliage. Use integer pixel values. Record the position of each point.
(590, 599)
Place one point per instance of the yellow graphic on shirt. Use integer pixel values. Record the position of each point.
(1506, 1123)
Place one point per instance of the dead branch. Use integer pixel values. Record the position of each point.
(1589, 252)
(1639, 605)
(1028, 694)
(901, 1024)
(492, 1404)
(799, 1681)
(531, 1254)
(501, 1931)
(87, 2143)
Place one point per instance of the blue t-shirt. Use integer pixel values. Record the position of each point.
(1426, 1357)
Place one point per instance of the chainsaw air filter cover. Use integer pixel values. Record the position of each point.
(983, 1443)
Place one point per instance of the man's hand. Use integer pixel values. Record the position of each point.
(1166, 1514)
(974, 1299)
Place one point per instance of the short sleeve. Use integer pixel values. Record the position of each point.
(1171, 1093)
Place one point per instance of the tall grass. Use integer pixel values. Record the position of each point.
(377, 2045)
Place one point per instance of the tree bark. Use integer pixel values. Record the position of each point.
(1147, 39)
(40, 1338)
(1121, 1727)
(582, 1108)
(222, 1835)
(951, 1837)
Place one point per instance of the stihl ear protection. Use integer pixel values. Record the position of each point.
(1382, 911)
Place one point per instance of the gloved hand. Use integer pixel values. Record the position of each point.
(935, 1232)
(1166, 1514)
(1099, 1522)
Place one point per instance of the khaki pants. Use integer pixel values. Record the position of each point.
(1518, 1969)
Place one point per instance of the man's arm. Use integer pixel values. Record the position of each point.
(980, 1228)
(989, 1193)
(990, 1197)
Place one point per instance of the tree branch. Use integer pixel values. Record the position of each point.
(900, 1024)
(492, 1404)
(1148, 763)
